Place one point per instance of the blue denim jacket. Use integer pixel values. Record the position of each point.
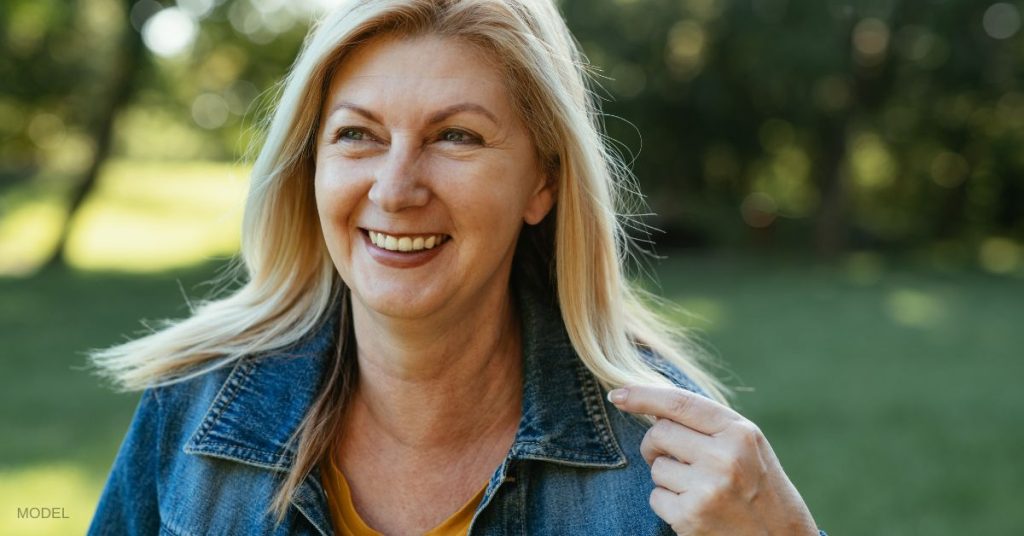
(199, 456)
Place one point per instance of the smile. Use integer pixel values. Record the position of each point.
(405, 242)
(404, 251)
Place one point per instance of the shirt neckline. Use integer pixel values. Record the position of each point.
(339, 497)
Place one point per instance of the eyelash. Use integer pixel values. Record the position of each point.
(470, 139)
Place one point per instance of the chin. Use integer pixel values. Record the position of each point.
(398, 303)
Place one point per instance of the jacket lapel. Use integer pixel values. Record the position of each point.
(263, 401)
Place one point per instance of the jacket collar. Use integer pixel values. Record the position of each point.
(264, 398)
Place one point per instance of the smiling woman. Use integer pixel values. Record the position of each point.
(434, 303)
(424, 144)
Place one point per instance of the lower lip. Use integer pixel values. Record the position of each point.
(401, 259)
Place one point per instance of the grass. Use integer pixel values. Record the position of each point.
(890, 391)
(894, 404)
(61, 427)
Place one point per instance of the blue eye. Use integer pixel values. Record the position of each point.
(458, 136)
(453, 136)
(350, 134)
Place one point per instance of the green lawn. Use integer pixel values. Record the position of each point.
(892, 400)
(895, 405)
(61, 427)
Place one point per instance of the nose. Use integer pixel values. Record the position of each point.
(397, 184)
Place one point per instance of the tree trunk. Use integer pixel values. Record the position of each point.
(832, 224)
(122, 85)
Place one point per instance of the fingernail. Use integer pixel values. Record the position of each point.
(618, 396)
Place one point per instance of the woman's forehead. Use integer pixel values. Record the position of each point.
(430, 69)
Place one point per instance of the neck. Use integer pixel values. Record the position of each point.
(438, 386)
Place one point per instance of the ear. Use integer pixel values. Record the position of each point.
(541, 200)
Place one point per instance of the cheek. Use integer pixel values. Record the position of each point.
(483, 210)
(325, 208)
(489, 195)
(334, 191)
(336, 201)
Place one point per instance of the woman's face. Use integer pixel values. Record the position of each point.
(424, 177)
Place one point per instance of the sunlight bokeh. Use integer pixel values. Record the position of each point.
(143, 217)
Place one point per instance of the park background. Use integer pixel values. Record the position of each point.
(838, 207)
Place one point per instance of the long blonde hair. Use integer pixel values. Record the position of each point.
(579, 252)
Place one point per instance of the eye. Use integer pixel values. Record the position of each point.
(350, 134)
(461, 137)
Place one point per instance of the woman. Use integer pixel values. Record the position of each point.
(434, 305)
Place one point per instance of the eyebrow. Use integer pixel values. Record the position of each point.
(437, 117)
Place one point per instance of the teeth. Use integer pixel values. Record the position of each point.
(405, 243)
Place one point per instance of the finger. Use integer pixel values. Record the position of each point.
(667, 505)
(680, 442)
(672, 474)
(685, 407)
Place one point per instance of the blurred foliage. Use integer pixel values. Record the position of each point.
(903, 120)
(825, 125)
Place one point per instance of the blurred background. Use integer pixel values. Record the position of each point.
(838, 195)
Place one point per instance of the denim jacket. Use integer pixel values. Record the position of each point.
(199, 456)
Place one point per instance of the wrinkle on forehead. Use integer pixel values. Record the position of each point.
(367, 72)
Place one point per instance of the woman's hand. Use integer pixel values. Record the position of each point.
(714, 471)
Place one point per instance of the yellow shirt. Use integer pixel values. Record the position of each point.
(347, 521)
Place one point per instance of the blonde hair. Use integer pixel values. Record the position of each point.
(579, 252)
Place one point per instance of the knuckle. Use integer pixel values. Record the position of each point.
(679, 403)
(659, 468)
(655, 501)
(645, 444)
(665, 504)
(661, 431)
(750, 433)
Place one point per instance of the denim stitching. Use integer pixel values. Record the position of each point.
(595, 409)
(232, 386)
